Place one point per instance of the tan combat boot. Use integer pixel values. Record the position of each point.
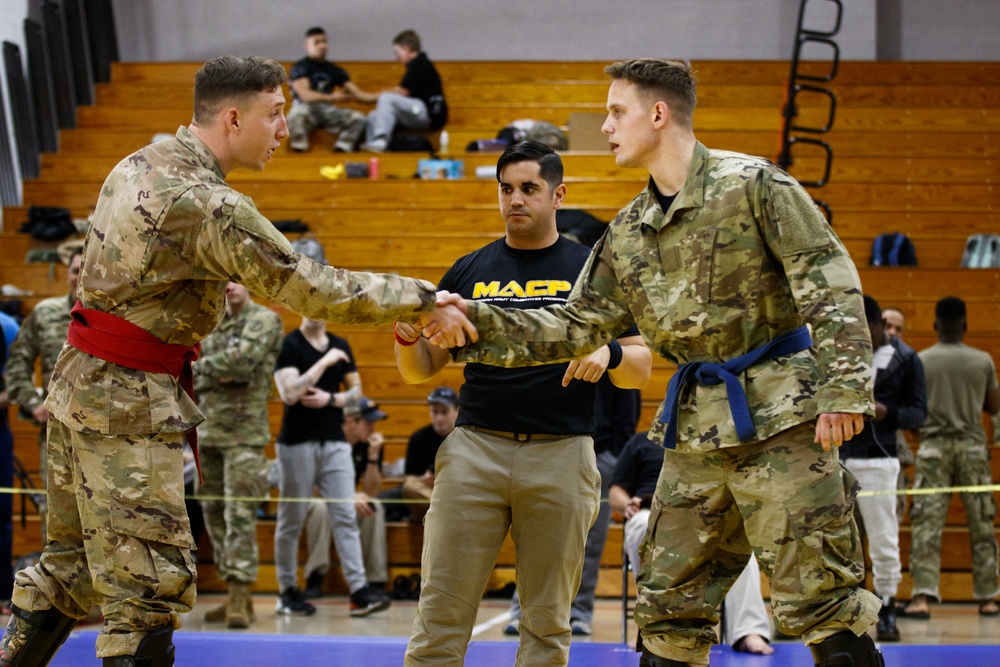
(239, 607)
(217, 614)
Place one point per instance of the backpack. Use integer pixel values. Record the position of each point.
(409, 143)
(982, 251)
(534, 130)
(893, 249)
(48, 223)
(437, 110)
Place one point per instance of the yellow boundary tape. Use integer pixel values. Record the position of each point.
(982, 488)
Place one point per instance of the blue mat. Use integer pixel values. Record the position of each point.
(220, 649)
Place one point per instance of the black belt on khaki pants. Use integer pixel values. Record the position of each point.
(516, 437)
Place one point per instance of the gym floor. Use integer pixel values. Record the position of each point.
(956, 634)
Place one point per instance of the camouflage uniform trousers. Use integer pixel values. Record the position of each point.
(238, 471)
(347, 124)
(784, 498)
(118, 535)
(952, 462)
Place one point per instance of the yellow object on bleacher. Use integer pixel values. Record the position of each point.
(333, 173)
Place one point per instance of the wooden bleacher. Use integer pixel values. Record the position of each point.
(915, 148)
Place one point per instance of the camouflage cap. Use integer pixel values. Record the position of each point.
(363, 407)
(68, 249)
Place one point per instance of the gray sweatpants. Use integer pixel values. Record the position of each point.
(328, 467)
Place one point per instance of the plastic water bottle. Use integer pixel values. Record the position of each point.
(444, 141)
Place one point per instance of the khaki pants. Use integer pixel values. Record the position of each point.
(126, 494)
(785, 499)
(546, 493)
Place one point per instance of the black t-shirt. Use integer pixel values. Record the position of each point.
(302, 424)
(639, 466)
(359, 452)
(665, 201)
(531, 399)
(616, 413)
(323, 77)
(421, 450)
(422, 81)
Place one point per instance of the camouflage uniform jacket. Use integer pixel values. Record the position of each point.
(241, 350)
(42, 336)
(168, 233)
(741, 256)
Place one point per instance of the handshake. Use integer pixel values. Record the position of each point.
(446, 326)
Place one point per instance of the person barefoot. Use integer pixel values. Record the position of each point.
(753, 644)
(919, 607)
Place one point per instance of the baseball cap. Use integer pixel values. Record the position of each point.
(444, 396)
(362, 407)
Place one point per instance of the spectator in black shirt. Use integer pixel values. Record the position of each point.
(417, 102)
(317, 86)
(421, 449)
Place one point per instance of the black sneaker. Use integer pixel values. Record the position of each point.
(366, 601)
(291, 602)
(314, 585)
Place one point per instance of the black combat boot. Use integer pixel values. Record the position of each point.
(649, 659)
(845, 649)
(155, 650)
(886, 630)
(33, 637)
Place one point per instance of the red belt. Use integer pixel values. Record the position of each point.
(114, 339)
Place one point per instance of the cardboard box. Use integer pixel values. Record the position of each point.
(440, 169)
(585, 132)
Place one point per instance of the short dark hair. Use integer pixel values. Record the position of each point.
(409, 39)
(873, 312)
(315, 30)
(668, 80)
(550, 166)
(230, 79)
(950, 309)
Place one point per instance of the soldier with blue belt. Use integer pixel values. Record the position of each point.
(728, 269)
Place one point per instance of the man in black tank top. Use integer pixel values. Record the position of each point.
(521, 457)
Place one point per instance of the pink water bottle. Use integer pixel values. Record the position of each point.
(373, 168)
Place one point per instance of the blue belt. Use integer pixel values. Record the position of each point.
(707, 374)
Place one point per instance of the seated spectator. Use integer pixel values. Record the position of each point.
(418, 480)
(360, 417)
(632, 488)
(317, 86)
(416, 103)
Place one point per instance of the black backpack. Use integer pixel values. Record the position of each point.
(48, 223)
(437, 110)
(893, 249)
(410, 143)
